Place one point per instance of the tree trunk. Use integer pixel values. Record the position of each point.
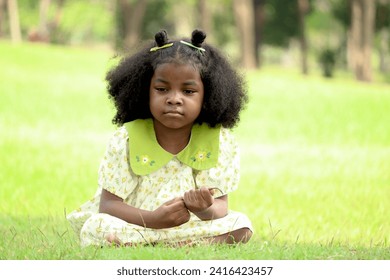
(43, 28)
(384, 36)
(204, 16)
(384, 61)
(259, 24)
(243, 11)
(47, 28)
(58, 15)
(16, 34)
(182, 14)
(368, 37)
(2, 17)
(362, 32)
(303, 9)
(133, 15)
(355, 54)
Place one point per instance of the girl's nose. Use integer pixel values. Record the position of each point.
(174, 98)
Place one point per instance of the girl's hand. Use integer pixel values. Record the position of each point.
(170, 214)
(198, 200)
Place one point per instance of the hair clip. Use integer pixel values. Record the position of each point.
(162, 47)
(192, 46)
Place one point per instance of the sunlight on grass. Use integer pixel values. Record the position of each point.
(314, 155)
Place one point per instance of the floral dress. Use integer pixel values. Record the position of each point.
(138, 170)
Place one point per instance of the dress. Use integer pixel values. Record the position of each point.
(145, 176)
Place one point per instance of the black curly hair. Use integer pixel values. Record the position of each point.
(224, 89)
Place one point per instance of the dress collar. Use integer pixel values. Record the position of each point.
(147, 156)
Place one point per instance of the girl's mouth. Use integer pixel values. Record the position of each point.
(173, 113)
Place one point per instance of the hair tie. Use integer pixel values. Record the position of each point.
(192, 46)
(162, 47)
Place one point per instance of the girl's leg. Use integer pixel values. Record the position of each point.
(241, 235)
(114, 240)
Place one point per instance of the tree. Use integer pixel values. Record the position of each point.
(13, 12)
(303, 9)
(182, 13)
(243, 11)
(47, 27)
(383, 28)
(362, 32)
(55, 22)
(130, 18)
(341, 12)
(259, 25)
(2, 17)
(43, 27)
(204, 16)
(284, 21)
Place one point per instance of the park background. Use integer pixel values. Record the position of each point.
(314, 137)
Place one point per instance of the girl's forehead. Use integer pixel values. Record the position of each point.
(177, 74)
(182, 69)
(177, 60)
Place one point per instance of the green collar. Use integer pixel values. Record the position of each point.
(147, 156)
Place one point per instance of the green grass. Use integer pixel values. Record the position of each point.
(315, 161)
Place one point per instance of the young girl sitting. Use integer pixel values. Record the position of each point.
(168, 169)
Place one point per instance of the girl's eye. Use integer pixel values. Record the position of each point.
(188, 91)
(161, 89)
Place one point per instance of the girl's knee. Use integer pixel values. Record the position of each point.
(241, 235)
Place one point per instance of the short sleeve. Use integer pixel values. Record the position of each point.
(226, 175)
(115, 174)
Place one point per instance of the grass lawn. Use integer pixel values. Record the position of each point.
(315, 161)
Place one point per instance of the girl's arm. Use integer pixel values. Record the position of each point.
(202, 203)
(170, 214)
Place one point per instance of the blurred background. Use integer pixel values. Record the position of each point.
(309, 35)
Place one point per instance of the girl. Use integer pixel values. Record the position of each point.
(168, 169)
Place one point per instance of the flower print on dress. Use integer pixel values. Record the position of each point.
(147, 192)
(201, 156)
(145, 160)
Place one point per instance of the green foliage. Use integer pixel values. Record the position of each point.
(382, 17)
(224, 24)
(155, 19)
(28, 15)
(327, 59)
(80, 21)
(314, 161)
(281, 22)
(341, 12)
(83, 22)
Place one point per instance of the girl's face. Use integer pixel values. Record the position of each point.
(176, 95)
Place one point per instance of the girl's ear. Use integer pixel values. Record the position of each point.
(161, 38)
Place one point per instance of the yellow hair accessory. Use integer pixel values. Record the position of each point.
(192, 46)
(162, 47)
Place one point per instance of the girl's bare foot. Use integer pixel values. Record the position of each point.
(112, 239)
